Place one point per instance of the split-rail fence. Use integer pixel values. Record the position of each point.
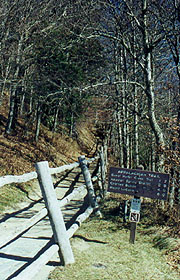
(61, 234)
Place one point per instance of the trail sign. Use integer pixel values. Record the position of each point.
(138, 183)
(135, 205)
(134, 217)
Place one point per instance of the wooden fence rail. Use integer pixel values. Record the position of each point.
(31, 270)
(41, 215)
(9, 179)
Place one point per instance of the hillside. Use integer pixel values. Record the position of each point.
(18, 153)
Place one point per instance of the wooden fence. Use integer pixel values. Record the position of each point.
(60, 241)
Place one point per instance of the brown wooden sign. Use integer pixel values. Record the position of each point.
(138, 183)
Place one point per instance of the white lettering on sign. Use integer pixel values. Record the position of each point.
(138, 183)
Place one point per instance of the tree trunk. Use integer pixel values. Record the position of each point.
(71, 125)
(119, 108)
(3, 87)
(56, 116)
(136, 132)
(120, 139)
(153, 158)
(13, 111)
(13, 108)
(125, 113)
(38, 121)
(149, 90)
(172, 189)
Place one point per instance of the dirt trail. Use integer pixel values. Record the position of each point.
(24, 249)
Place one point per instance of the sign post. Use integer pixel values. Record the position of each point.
(138, 183)
(134, 217)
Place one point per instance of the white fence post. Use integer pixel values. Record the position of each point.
(55, 214)
(89, 185)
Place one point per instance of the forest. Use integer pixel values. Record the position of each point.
(119, 59)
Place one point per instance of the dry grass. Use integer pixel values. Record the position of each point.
(102, 251)
(19, 153)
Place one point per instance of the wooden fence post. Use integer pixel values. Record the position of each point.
(54, 211)
(89, 185)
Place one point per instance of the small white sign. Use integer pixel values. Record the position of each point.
(135, 205)
(134, 217)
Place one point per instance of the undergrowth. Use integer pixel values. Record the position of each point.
(19, 153)
(102, 250)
